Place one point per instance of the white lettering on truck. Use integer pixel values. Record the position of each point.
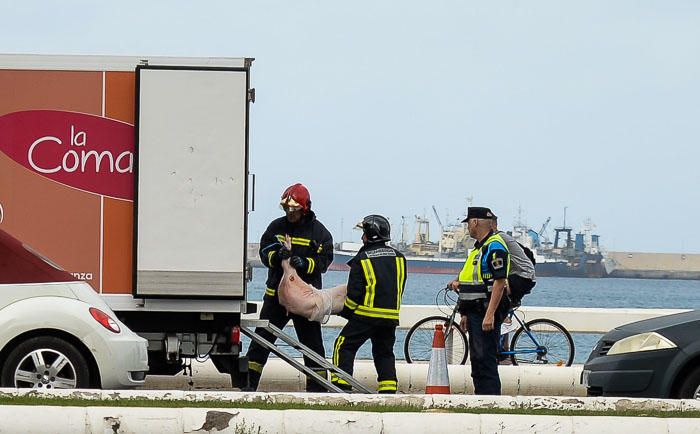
(74, 160)
(82, 276)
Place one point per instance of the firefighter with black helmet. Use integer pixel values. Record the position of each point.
(375, 287)
(310, 255)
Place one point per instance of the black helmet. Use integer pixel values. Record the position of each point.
(376, 228)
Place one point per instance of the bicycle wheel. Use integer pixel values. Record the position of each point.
(556, 347)
(418, 345)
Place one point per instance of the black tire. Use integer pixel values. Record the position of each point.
(45, 362)
(690, 387)
(419, 341)
(549, 334)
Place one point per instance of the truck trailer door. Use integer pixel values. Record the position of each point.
(191, 164)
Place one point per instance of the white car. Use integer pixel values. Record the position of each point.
(56, 332)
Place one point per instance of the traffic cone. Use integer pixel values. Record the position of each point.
(438, 378)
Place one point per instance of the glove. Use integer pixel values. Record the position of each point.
(299, 263)
(313, 245)
(283, 254)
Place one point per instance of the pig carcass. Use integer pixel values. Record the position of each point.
(300, 298)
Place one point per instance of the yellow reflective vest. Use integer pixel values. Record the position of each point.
(476, 277)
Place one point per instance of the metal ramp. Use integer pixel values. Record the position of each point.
(248, 328)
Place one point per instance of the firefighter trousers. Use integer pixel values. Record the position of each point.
(308, 333)
(351, 337)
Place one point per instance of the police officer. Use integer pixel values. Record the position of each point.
(311, 254)
(481, 285)
(375, 286)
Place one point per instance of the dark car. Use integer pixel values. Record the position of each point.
(656, 358)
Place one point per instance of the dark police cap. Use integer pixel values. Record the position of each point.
(479, 212)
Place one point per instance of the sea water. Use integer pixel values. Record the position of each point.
(549, 291)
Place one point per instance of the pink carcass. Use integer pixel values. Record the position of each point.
(300, 298)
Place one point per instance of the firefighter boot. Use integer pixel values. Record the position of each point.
(253, 381)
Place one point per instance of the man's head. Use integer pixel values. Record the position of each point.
(375, 229)
(296, 202)
(479, 221)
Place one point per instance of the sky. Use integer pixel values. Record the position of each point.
(394, 107)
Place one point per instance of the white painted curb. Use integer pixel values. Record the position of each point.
(278, 376)
(427, 402)
(45, 419)
(574, 319)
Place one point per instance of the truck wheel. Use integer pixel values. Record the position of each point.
(46, 362)
(690, 388)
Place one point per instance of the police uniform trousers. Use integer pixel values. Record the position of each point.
(483, 349)
(351, 337)
(308, 333)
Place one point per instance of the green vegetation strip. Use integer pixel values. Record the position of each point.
(376, 408)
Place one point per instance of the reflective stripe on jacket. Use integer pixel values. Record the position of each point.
(376, 284)
(310, 240)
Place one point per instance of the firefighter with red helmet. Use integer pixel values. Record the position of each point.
(310, 255)
(375, 287)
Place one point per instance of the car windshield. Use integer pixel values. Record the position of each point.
(20, 263)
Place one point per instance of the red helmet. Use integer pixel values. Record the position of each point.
(296, 196)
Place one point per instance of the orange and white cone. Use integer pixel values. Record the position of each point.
(438, 378)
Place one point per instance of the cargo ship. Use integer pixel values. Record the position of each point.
(414, 264)
(569, 255)
(545, 267)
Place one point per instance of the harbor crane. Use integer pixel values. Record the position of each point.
(544, 227)
(442, 229)
(541, 234)
(422, 230)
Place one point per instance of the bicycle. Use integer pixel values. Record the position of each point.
(538, 341)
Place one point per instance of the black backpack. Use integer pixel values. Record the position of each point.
(523, 286)
(529, 254)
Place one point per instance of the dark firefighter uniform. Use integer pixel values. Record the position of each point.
(488, 261)
(312, 242)
(375, 287)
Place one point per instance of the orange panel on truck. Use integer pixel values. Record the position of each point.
(66, 171)
(118, 220)
(119, 96)
(76, 91)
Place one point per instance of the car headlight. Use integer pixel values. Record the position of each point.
(641, 342)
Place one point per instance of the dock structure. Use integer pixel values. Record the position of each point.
(653, 265)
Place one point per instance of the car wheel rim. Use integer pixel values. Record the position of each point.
(45, 369)
(697, 392)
